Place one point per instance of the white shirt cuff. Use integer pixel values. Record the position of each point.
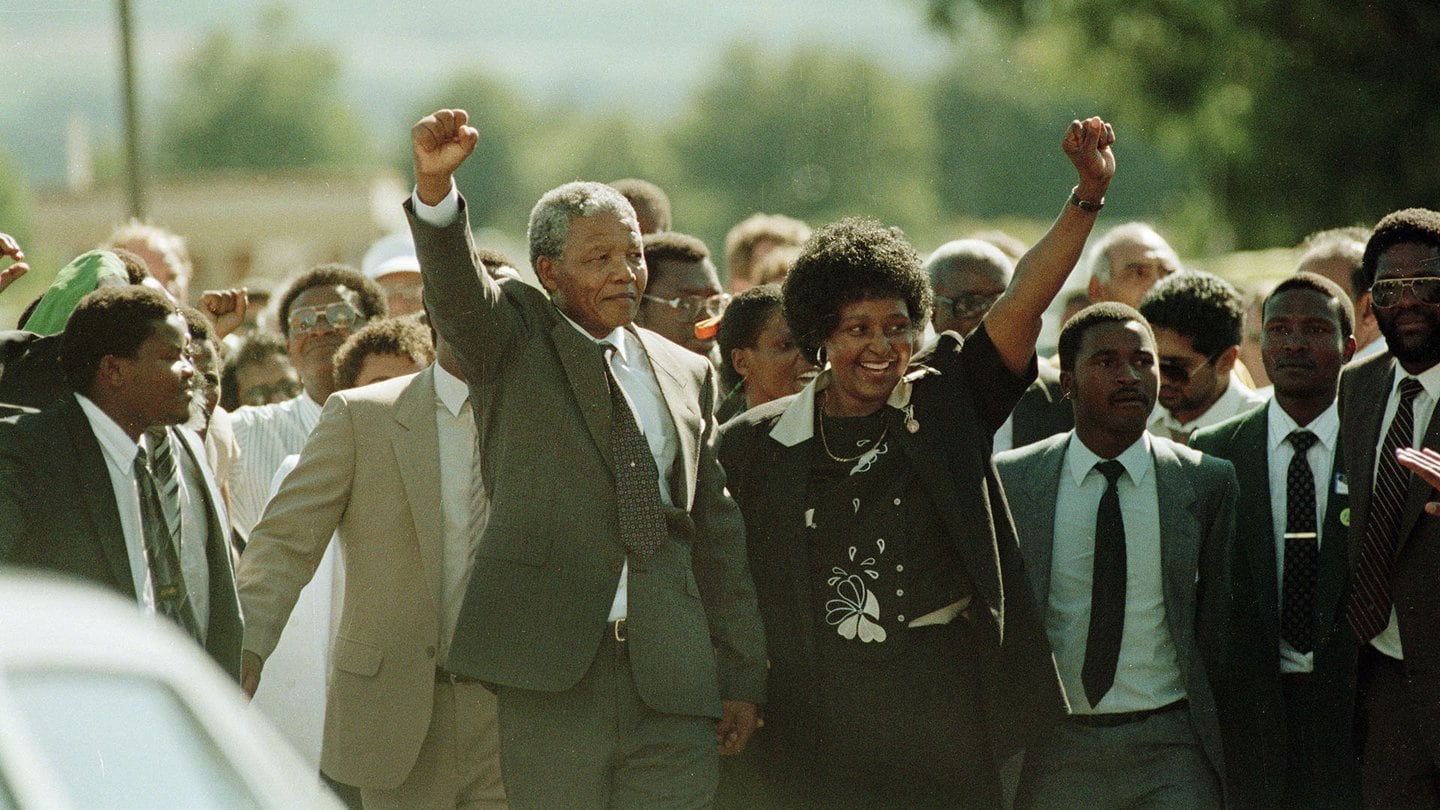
(440, 214)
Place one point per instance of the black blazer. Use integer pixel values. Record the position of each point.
(1248, 690)
(30, 372)
(58, 512)
(956, 402)
(1042, 410)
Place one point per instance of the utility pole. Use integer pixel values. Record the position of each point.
(134, 180)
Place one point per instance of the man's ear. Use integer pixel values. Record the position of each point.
(1067, 383)
(1225, 362)
(110, 374)
(546, 271)
(1347, 348)
(740, 359)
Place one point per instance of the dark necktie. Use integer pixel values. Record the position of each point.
(637, 479)
(1370, 596)
(161, 551)
(1302, 549)
(1107, 594)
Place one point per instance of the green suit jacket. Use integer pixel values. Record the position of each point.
(550, 557)
(1252, 708)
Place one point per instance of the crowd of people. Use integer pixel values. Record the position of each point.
(827, 534)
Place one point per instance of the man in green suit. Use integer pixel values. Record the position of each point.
(610, 604)
(1288, 706)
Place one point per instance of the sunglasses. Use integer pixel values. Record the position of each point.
(690, 306)
(1177, 373)
(1388, 293)
(966, 305)
(338, 315)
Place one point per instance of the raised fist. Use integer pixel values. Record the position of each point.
(441, 142)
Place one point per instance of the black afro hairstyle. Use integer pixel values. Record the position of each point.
(1197, 305)
(1072, 334)
(740, 328)
(847, 261)
(1325, 287)
(1419, 225)
(372, 298)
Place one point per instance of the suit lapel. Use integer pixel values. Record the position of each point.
(1334, 568)
(417, 455)
(99, 494)
(1179, 550)
(1034, 494)
(688, 424)
(1376, 393)
(224, 602)
(581, 360)
(1253, 518)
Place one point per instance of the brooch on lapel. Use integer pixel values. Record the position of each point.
(1342, 483)
(911, 423)
(1345, 517)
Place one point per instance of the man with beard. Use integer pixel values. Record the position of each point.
(1133, 605)
(1197, 318)
(1287, 702)
(321, 308)
(1387, 404)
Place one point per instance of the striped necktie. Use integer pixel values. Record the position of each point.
(165, 467)
(162, 552)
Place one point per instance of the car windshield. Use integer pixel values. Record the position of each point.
(119, 740)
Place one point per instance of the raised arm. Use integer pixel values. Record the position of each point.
(464, 304)
(1014, 321)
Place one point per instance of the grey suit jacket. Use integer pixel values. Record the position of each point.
(370, 473)
(550, 558)
(1364, 391)
(1197, 523)
(58, 512)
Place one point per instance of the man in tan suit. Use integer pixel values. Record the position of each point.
(389, 468)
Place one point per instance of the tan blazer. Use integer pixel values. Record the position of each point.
(371, 473)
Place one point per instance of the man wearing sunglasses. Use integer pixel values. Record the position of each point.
(321, 308)
(968, 276)
(1197, 318)
(1387, 404)
(683, 289)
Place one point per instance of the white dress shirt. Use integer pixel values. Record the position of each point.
(119, 451)
(455, 426)
(632, 371)
(266, 434)
(1321, 458)
(1148, 674)
(1388, 641)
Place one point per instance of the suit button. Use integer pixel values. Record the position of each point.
(430, 651)
(617, 566)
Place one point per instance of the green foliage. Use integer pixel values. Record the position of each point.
(265, 102)
(1301, 115)
(814, 135)
(14, 202)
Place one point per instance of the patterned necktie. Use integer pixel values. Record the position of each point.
(637, 479)
(167, 476)
(1302, 549)
(1370, 596)
(1107, 594)
(161, 552)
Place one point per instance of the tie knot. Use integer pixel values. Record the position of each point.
(1303, 440)
(1410, 388)
(1111, 469)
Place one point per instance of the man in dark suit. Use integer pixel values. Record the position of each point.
(1132, 603)
(1387, 404)
(968, 276)
(81, 493)
(610, 603)
(1287, 702)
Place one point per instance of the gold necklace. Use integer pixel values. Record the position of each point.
(884, 428)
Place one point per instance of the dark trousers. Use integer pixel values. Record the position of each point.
(598, 745)
(1397, 769)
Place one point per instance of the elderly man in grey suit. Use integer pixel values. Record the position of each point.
(1125, 537)
(610, 603)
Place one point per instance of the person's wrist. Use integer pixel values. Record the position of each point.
(1087, 198)
(432, 188)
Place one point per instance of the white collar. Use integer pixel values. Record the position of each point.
(1326, 426)
(450, 392)
(1429, 380)
(1136, 458)
(114, 441)
(797, 423)
(619, 338)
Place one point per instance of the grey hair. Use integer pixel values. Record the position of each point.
(1099, 257)
(549, 227)
(964, 254)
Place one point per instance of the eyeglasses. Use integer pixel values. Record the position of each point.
(1388, 293)
(1176, 372)
(690, 306)
(339, 315)
(967, 305)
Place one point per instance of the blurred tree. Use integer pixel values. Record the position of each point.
(14, 202)
(1300, 114)
(494, 179)
(815, 135)
(267, 102)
